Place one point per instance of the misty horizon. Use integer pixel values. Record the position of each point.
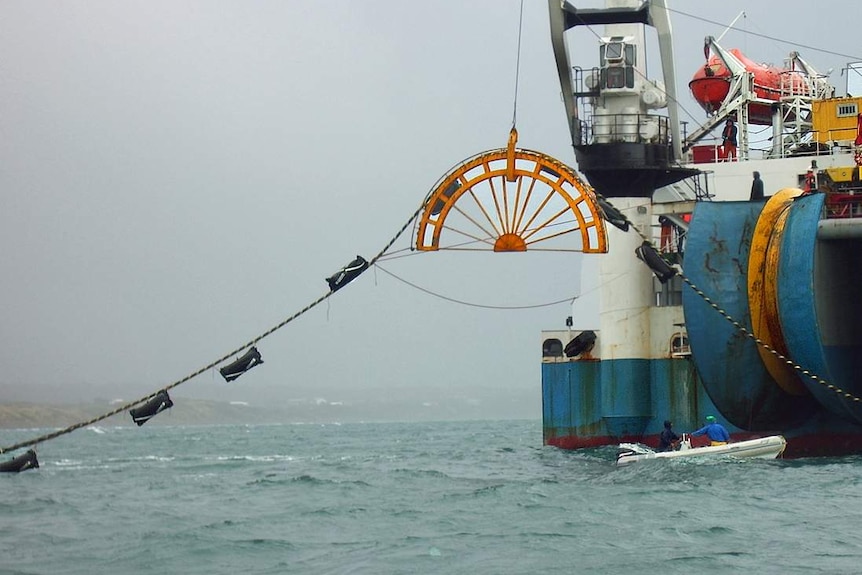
(179, 178)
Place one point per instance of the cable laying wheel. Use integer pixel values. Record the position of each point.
(509, 200)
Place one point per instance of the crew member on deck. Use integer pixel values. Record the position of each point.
(716, 432)
(811, 179)
(756, 188)
(728, 140)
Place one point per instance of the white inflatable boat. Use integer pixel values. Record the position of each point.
(769, 447)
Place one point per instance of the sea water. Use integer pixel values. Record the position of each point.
(379, 498)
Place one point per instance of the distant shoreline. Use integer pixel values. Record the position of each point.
(30, 415)
(24, 415)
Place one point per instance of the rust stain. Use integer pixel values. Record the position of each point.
(708, 265)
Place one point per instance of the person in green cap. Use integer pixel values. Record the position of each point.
(715, 431)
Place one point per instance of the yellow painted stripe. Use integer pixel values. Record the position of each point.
(763, 288)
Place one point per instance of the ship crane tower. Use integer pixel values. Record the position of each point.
(623, 144)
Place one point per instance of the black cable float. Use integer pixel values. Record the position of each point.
(347, 274)
(648, 254)
(21, 463)
(248, 360)
(612, 215)
(581, 343)
(160, 402)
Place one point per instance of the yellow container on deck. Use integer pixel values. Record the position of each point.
(834, 120)
(844, 174)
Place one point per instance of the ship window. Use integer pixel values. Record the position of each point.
(679, 345)
(630, 77)
(614, 52)
(847, 110)
(616, 77)
(552, 348)
(630, 55)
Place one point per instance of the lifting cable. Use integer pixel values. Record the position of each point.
(517, 67)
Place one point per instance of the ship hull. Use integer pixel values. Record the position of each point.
(573, 418)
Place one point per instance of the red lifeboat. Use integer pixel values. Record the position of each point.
(711, 83)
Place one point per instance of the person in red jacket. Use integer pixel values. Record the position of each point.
(728, 140)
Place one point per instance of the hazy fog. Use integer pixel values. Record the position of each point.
(178, 177)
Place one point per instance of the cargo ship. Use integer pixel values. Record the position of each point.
(710, 301)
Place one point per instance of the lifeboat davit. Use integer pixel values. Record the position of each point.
(711, 83)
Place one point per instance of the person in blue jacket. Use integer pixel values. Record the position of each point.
(716, 432)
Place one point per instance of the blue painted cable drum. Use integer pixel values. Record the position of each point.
(817, 279)
(733, 374)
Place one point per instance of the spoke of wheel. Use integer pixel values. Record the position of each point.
(517, 203)
(525, 204)
(556, 235)
(526, 235)
(481, 207)
(474, 222)
(494, 197)
(486, 240)
(506, 223)
(536, 212)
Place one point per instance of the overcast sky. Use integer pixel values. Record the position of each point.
(178, 177)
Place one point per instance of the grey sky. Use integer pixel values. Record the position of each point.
(177, 177)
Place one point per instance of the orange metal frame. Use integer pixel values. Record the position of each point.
(504, 189)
